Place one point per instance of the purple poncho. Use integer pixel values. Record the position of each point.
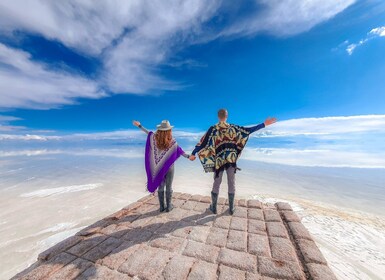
(158, 162)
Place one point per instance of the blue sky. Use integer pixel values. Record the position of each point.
(79, 68)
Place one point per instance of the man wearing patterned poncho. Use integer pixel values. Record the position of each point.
(219, 150)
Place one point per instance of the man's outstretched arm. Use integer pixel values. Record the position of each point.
(202, 143)
(267, 122)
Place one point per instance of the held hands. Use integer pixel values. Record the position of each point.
(270, 121)
(136, 123)
(192, 157)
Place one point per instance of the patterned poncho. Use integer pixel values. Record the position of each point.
(158, 162)
(222, 145)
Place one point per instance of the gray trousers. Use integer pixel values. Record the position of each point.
(230, 171)
(167, 182)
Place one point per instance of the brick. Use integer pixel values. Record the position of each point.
(217, 237)
(230, 273)
(299, 231)
(189, 205)
(283, 206)
(141, 221)
(138, 261)
(256, 214)
(199, 233)
(206, 199)
(172, 244)
(94, 228)
(206, 221)
(238, 224)
(282, 249)
(258, 245)
(99, 272)
(239, 260)
(103, 249)
(280, 269)
(201, 207)
(276, 229)
(185, 196)
(177, 214)
(240, 212)
(222, 222)
(178, 268)
(242, 202)
(221, 201)
(201, 251)
(154, 268)
(86, 244)
(167, 227)
(60, 247)
(256, 226)
(290, 216)
(255, 276)
(138, 235)
(192, 216)
(116, 230)
(183, 229)
(237, 240)
(253, 203)
(203, 270)
(177, 202)
(119, 255)
(72, 270)
(310, 252)
(196, 197)
(272, 215)
(320, 272)
(176, 194)
(48, 268)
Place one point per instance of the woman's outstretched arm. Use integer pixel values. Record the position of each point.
(137, 124)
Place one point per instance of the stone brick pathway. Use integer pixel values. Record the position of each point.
(258, 242)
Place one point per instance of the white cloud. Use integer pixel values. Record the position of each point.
(372, 34)
(28, 84)
(133, 39)
(325, 126)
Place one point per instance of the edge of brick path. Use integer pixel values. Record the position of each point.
(310, 257)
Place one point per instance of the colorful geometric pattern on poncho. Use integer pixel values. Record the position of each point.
(158, 162)
(224, 144)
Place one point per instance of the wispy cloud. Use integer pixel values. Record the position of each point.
(372, 34)
(132, 39)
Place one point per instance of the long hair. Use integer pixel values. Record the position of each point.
(163, 139)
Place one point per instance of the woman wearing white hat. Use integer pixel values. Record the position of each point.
(161, 152)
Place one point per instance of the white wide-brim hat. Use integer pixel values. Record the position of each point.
(164, 125)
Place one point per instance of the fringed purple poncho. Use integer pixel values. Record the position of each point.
(158, 162)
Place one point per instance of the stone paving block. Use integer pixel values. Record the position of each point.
(242, 202)
(177, 214)
(238, 224)
(201, 207)
(172, 244)
(280, 269)
(199, 233)
(193, 216)
(283, 206)
(256, 214)
(320, 272)
(201, 251)
(189, 205)
(299, 231)
(86, 244)
(255, 276)
(142, 221)
(253, 203)
(178, 268)
(103, 249)
(72, 270)
(290, 216)
(256, 226)
(272, 215)
(217, 237)
(183, 229)
(176, 194)
(94, 228)
(206, 221)
(310, 252)
(276, 229)
(230, 273)
(119, 255)
(138, 261)
(282, 249)
(237, 240)
(239, 260)
(60, 247)
(177, 202)
(116, 230)
(258, 245)
(167, 227)
(154, 200)
(154, 268)
(196, 197)
(185, 196)
(221, 200)
(206, 199)
(240, 212)
(222, 222)
(138, 235)
(202, 270)
(99, 272)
